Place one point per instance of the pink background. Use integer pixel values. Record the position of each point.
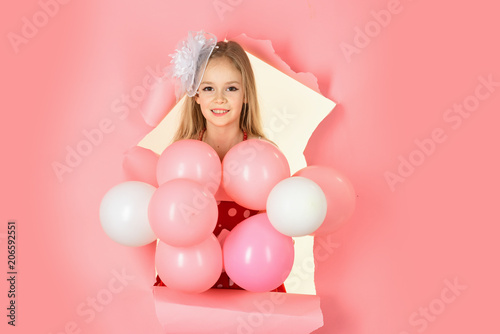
(394, 256)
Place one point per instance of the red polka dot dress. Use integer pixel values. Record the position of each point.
(230, 215)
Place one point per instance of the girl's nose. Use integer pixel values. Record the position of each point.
(220, 97)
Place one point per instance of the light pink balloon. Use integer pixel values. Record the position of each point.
(190, 269)
(250, 171)
(256, 256)
(139, 164)
(339, 192)
(190, 159)
(181, 213)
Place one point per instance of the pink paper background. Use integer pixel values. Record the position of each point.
(377, 274)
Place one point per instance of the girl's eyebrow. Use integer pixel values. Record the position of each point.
(227, 83)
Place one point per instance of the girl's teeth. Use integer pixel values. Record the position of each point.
(219, 111)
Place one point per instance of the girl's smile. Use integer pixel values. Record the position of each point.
(220, 112)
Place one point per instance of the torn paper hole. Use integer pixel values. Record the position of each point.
(290, 112)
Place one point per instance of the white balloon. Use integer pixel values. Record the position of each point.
(124, 213)
(296, 206)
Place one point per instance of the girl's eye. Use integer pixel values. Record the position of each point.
(208, 89)
(232, 89)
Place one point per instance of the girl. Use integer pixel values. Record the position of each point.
(222, 112)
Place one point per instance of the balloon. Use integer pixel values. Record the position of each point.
(190, 159)
(339, 192)
(189, 269)
(140, 164)
(296, 206)
(124, 213)
(251, 169)
(181, 213)
(256, 256)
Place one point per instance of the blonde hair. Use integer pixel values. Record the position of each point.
(192, 120)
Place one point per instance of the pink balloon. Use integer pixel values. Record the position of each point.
(190, 159)
(140, 164)
(181, 213)
(256, 256)
(339, 192)
(250, 171)
(190, 269)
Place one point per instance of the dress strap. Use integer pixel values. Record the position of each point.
(201, 134)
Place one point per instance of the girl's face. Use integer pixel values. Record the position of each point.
(220, 94)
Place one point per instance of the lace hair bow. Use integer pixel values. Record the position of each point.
(190, 60)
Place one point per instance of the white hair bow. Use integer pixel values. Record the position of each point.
(190, 60)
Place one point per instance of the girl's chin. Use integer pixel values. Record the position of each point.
(222, 123)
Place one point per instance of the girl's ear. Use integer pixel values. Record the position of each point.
(197, 98)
